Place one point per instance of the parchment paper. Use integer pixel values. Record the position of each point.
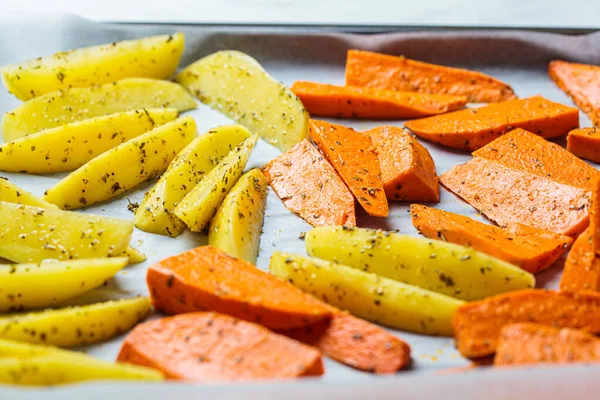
(517, 57)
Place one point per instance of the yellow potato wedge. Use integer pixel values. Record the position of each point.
(123, 167)
(155, 213)
(134, 255)
(25, 286)
(33, 234)
(28, 364)
(75, 326)
(367, 295)
(11, 193)
(68, 147)
(77, 104)
(236, 85)
(237, 225)
(435, 265)
(152, 57)
(198, 207)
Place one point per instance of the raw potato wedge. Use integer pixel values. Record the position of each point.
(124, 166)
(11, 193)
(25, 286)
(434, 265)
(76, 326)
(77, 104)
(28, 364)
(152, 57)
(236, 85)
(33, 234)
(155, 213)
(367, 295)
(237, 225)
(68, 147)
(198, 207)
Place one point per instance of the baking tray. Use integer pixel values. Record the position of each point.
(517, 57)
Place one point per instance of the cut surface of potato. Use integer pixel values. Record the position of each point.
(11, 193)
(77, 104)
(151, 57)
(443, 267)
(198, 207)
(236, 85)
(155, 213)
(237, 225)
(33, 234)
(75, 326)
(124, 166)
(26, 286)
(367, 295)
(68, 147)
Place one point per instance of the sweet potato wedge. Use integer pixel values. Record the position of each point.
(309, 186)
(477, 325)
(210, 347)
(473, 128)
(585, 143)
(580, 81)
(205, 278)
(407, 169)
(323, 100)
(368, 69)
(529, 248)
(352, 156)
(534, 344)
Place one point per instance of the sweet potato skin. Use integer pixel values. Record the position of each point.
(477, 324)
(367, 69)
(407, 169)
(210, 347)
(207, 279)
(309, 186)
(585, 143)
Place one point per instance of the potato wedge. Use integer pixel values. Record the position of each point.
(68, 147)
(367, 295)
(75, 326)
(151, 57)
(435, 265)
(33, 234)
(77, 104)
(11, 193)
(134, 255)
(25, 286)
(198, 207)
(237, 225)
(123, 167)
(236, 85)
(155, 213)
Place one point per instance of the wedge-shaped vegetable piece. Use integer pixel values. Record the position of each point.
(580, 81)
(123, 167)
(237, 225)
(25, 286)
(155, 213)
(477, 325)
(526, 247)
(210, 347)
(309, 186)
(507, 195)
(585, 143)
(534, 344)
(205, 278)
(236, 85)
(474, 128)
(68, 147)
(324, 100)
(367, 295)
(77, 104)
(368, 69)
(582, 267)
(32, 234)
(407, 169)
(351, 154)
(11, 193)
(152, 57)
(133, 255)
(434, 265)
(27, 364)
(75, 326)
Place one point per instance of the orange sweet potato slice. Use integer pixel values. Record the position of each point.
(585, 143)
